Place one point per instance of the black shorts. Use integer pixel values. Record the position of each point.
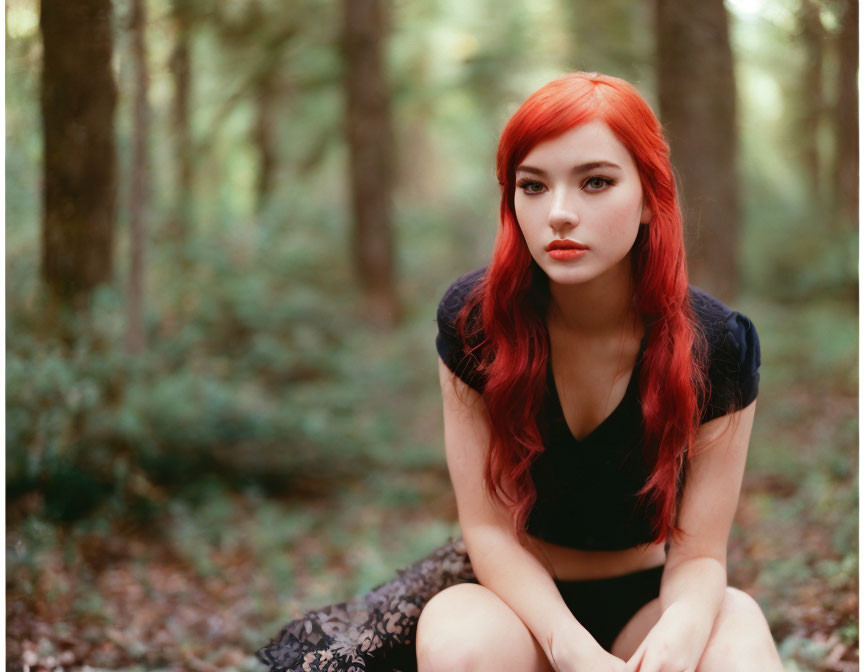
(604, 606)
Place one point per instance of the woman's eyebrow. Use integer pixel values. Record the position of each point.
(581, 168)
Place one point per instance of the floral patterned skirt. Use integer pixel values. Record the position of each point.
(374, 632)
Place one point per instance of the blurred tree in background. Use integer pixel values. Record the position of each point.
(701, 127)
(78, 98)
(251, 209)
(845, 113)
(370, 145)
(136, 338)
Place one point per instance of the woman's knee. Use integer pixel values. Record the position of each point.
(442, 641)
(741, 638)
(463, 627)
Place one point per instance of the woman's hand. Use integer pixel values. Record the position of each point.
(674, 644)
(604, 662)
(569, 655)
(599, 661)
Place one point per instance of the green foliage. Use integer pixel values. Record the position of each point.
(257, 371)
(250, 375)
(808, 652)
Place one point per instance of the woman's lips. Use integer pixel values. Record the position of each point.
(567, 253)
(564, 250)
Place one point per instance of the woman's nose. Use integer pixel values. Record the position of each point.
(563, 212)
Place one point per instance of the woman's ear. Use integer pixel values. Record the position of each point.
(646, 214)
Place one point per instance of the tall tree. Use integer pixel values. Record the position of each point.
(371, 149)
(264, 133)
(266, 90)
(262, 33)
(697, 106)
(78, 97)
(812, 98)
(181, 71)
(138, 197)
(846, 118)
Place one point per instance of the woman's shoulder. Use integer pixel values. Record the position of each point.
(723, 327)
(733, 354)
(457, 293)
(450, 348)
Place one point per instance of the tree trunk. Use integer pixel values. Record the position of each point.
(697, 107)
(812, 100)
(264, 134)
(135, 334)
(846, 119)
(180, 66)
(371, 150)
(78, 97)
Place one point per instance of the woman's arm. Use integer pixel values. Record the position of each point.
(500, 562)
(694, 580)
(696, 566)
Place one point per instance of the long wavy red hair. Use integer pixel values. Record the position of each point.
(513, 296)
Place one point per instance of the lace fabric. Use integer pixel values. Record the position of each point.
(373, 632)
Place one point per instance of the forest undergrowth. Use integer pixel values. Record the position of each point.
(214, 571)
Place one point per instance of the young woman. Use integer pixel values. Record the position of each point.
(597, 413)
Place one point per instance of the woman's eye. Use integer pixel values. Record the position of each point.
(596, 183)
(530, 187)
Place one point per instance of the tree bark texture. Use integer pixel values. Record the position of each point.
(180, 66)
(371, 152)
(812, 98)
(138, 196)
(697, 107)
(78, 97)
(846, 118)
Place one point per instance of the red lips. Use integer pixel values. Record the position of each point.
(565, 245)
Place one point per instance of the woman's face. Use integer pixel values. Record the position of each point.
(579, 192)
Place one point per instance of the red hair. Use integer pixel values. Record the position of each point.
(514, 294)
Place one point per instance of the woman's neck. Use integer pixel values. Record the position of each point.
(601, 307)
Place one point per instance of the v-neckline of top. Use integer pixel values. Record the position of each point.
(558, 409)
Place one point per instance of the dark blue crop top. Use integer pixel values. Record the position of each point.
(586, 488)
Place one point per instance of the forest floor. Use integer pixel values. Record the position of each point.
(223, 574)
(215, 575)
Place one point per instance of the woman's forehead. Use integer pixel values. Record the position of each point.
(590, 143)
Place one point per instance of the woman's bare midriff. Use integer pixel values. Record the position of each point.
(571, 564)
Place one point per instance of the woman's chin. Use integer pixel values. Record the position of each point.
(561, 274)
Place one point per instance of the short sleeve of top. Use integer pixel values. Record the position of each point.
(734, 355)
(733, 352)
(449, 347)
